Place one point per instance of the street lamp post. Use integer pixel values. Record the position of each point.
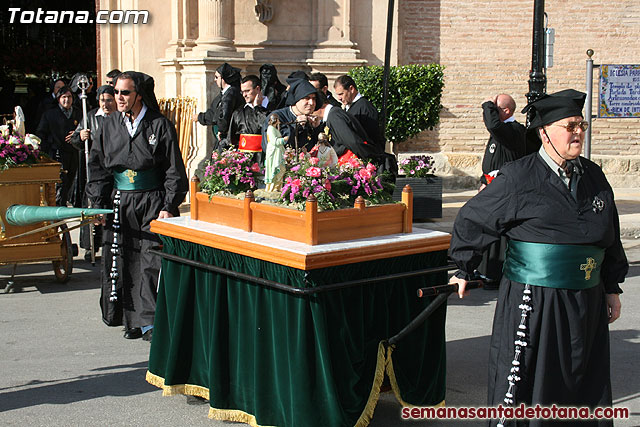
(537, 77)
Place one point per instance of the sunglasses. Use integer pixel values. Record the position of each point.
(572, 127)
(123, 92)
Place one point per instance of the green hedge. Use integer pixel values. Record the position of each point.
(413, 103)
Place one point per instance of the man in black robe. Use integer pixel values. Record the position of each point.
(135, 166)
(95, 118)
(248, 119)
(55, 130)
(346, 133)
(296, 75)
(506, 143)
(320, 82)
(271, 86)
(228, 100)
(360, 108)
(296, 120)
(559, 291)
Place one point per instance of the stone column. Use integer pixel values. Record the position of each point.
(215, 18)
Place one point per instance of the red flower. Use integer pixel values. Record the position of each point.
(364, 173)
(313, 171)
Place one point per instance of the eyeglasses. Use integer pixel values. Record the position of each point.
(572, 127)
(123, 92)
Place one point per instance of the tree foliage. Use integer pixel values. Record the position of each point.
(413, 103)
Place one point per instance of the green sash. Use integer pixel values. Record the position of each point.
(553, 266)
(130, 180)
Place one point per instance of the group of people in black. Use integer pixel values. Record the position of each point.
(239, 114)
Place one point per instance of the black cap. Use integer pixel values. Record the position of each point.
(105, 89)
(231, 75)
(299, 89)
(556, 106)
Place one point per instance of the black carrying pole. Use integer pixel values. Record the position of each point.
(537, 77)
(387, 65)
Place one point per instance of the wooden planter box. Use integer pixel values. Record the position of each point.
(28, 185)
(427, 195)
(309, 226)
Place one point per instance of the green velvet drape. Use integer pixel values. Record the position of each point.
(294, 360)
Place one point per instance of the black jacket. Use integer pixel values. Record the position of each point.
(221, 109)
(54, 127)
(506, 143)
(348, 134)
(153, 146)
(367, 115)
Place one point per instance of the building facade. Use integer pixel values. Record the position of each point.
(485, 47)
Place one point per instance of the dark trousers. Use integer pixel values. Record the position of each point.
(69, 160)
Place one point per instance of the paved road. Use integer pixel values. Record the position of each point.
(60, 366)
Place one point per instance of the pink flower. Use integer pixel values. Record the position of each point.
(314, 160)
(364, 173)
(371, 167)
(313, 171)
(255, 167)
(327, 184)
(214, 156)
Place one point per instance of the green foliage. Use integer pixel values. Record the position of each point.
(413, 103)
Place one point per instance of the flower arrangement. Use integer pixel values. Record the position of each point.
(417, 166)
(334, 188)
(230, 172)
(16, 149)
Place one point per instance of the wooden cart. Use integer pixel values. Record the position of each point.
(33, 185)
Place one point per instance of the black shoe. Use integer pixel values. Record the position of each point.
(148, 335)
(133, 333)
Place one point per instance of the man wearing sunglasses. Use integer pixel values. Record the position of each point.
(135, 167)
(564, 262)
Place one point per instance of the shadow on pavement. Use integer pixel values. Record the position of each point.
(85, 387)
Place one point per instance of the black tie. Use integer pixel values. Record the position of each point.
(572, 172)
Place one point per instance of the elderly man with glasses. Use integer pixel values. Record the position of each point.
(564, 261)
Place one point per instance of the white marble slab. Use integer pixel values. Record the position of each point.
(417, 235)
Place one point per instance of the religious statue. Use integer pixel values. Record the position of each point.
(274, 159)
(326, 154)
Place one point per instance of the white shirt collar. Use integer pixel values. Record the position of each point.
(265, 102)
(326, 112)
(133, 127)
(509, 120)
(225, 89)
(358, 96)
(100, 112)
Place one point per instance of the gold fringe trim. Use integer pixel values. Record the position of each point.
(235, 415)
(172, 390)
(374, 395)
(394, 384)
